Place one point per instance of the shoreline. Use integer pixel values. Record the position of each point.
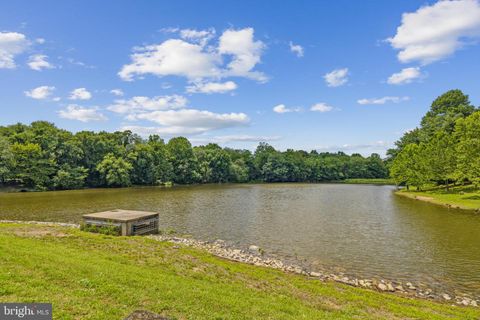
(372, 181)
(254, 255)
(427, 197)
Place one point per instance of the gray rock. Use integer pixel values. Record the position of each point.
(446, 297)
(382, 286)
(254, 249)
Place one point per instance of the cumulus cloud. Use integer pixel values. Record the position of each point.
(189, 121)
(117, 92)
(199, 36)
(281, 108)
(38, 62)
(321, 107)
(297, 49)
(236, 55)
(382, 100)
(40, 93)
(172, 57)
(144, 104)
(234, 138)
(80, 94)
(337, 77)
(245, 52)
(406, 75)
(436, 31)
(11, 45)
(212, 87)
(76, 112)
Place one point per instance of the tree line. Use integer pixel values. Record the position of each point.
(43, 157)
(444, 150)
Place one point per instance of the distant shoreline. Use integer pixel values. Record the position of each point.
(375, 181)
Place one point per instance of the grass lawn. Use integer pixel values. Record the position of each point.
(458, 197)
(92, 276)
(369, 181)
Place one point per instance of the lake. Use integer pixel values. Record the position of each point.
(362, 230)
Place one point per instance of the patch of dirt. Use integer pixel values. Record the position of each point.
(39, 233)
(145, 315)
(423, 198)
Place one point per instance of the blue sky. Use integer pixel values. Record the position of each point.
(336, 75)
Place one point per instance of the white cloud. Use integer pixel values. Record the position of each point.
(435, 32)
(321, 107)
(76, 112)
(11, 45)
(40, 40)
(145, 104)
(406, 75)
(365, 148)
(281, 108)
(337, 77)
(172, 57)
(117, 92)
(382, 100)
(188, 121)
(297, 49)
(80, 94)
(201, 37)
(245, 51)
(212, 87)
(234, 138)
(236, 55)
(40, 93)
(38, 62)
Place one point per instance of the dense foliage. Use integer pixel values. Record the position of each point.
(444, 149)
(43, 157)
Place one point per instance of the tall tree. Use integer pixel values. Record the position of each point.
(468, 148)
(114, 171)
(182, 158)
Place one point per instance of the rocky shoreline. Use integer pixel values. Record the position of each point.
(256, 256)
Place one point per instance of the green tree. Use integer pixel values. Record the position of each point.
(439, 156)
(467, 132)
(70, 178)
(409, 167)
(6, 160)
(31, 167)
(213, 163)
(115, 171)
(444, 112)
(183, 161)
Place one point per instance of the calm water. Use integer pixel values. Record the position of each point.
(362, 230)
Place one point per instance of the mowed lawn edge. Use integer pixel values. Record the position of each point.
(92, 276)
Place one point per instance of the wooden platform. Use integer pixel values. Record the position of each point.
(130, 222)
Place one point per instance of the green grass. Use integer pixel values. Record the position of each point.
(462, 197)
(95, 276)
(369, 181)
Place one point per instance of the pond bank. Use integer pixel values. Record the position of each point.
(254, 255)
(94, 276)
(455, 199)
